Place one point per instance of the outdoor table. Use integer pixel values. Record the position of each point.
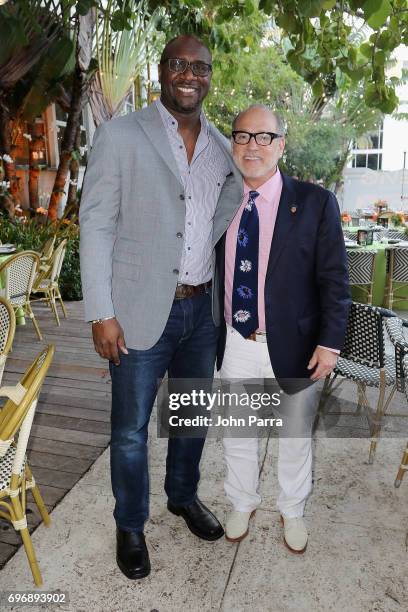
(20, 318)
(380, 273)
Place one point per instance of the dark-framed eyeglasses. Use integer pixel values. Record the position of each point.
(176, 64)
(261, 138)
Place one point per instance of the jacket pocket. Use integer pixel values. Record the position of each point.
(126, 265)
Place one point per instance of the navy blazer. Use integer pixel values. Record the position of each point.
(307, 295)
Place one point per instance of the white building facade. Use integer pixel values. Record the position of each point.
(377, 172)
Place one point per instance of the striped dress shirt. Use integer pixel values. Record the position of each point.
(202, 180)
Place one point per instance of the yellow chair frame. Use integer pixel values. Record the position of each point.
(21, 299)
(6, 333)
(16, 418)
(47, 281)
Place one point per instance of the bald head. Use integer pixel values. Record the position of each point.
(261, 110)
(258, 161)
(174, 45)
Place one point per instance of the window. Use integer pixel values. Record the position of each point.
(367, 150)
(367, 160)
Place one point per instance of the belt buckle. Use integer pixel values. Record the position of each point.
(257, 336)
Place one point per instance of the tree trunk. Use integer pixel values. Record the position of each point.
(68, 143)
(337, 177)
(9, 168)
(74, 172)
(34, 169)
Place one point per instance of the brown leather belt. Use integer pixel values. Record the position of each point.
(189, 291)
(257, 336)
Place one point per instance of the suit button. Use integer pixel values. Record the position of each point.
(182, 196)
(179, 235)
(175, 271)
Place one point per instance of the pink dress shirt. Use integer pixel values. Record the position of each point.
(267, 204)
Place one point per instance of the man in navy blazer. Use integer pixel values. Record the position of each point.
(299, 308)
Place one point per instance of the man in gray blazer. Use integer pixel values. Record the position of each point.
(149, 221)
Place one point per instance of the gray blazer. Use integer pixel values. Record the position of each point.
(132, 208)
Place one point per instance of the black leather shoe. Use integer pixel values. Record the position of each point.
(132, 555)
(199, 519)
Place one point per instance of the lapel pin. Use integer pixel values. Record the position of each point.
(293, 209)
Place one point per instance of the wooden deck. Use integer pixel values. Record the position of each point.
(72, 422)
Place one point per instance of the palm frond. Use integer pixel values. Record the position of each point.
(121, 56)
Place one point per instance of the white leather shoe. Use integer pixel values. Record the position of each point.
(295, 534)
(236, 527)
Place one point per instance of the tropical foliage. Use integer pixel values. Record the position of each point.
(74, 51)
(318, 136)
(31, 234)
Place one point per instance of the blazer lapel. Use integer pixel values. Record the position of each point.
(288, 213)
(232, 191)
(151, 122)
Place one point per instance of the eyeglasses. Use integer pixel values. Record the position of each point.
(261, 138)
(179, 65)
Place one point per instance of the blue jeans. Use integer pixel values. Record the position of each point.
(186, 349)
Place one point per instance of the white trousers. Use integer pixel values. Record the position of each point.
(244, 359)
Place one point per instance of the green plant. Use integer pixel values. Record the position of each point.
(396, 220)
(31, 234)
(70, 279)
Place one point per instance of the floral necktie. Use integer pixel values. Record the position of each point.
(245, 285)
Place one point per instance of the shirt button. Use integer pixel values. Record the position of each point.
(188, 248)
(186, 273)
(182, 196)
(189, 197)
(180, 146)
(175, 271)
(179, 235)
(189, 223)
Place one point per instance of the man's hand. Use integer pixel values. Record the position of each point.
(325, 361)
(109, 339)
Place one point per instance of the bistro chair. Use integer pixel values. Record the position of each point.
(363, 360)
(349, 235)
(18, 274)
(361, 271)
(48, 248)
(47, 281)
(396, 235)
(7, 331)
(404, 461)
(397, 277)
(16, 477)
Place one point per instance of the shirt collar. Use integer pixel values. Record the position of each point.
(267, 189)
(172, 123)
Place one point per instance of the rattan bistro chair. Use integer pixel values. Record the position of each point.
(404, 461)
(48, 248)
(47, 281)
(361, 271)
(18, 274)
(363, 360)
(16, 478)
(7, 331)
(396, 235)
(397, 277)
(349, 235)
